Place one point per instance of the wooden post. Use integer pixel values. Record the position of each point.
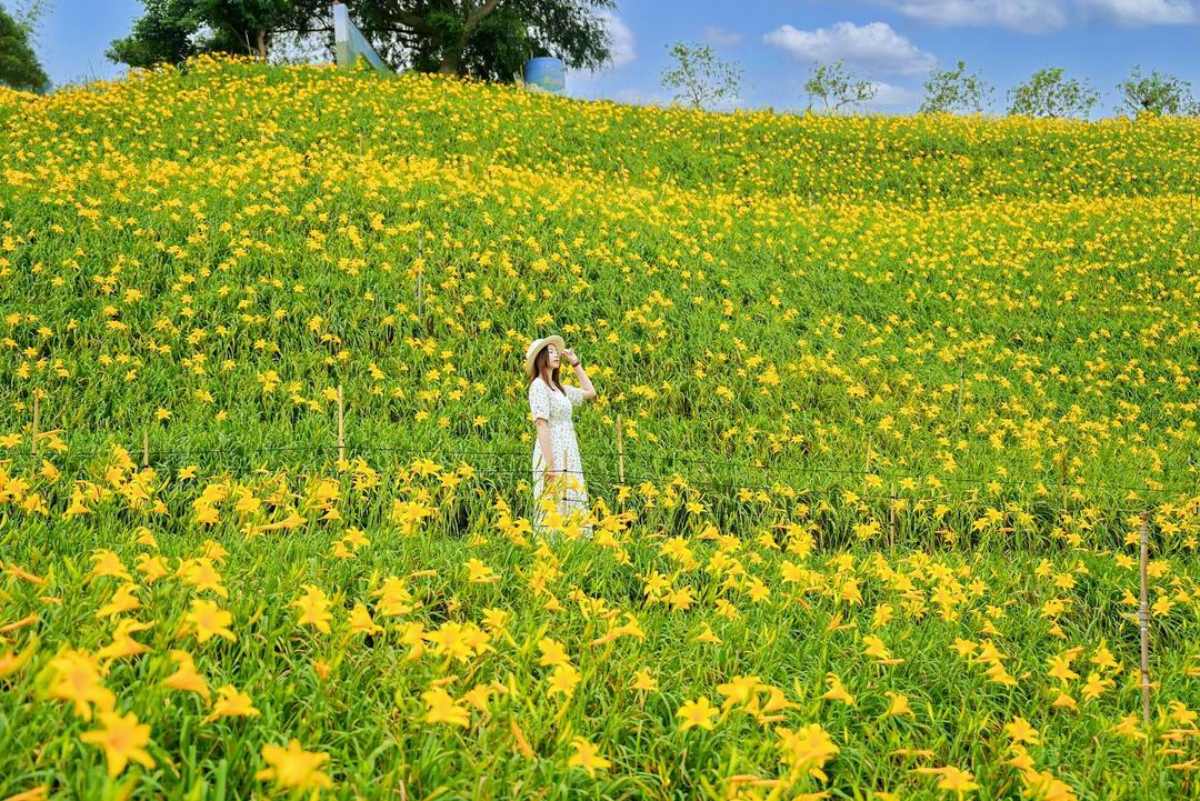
(961, 368)
(620, 453)
(420, 296)
(1062, 473)
(892, 522)
(37, 412)
(341, 423)
(145, 447)
(421, 278)
(1143, 625)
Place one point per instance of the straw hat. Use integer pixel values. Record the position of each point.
(537, 345)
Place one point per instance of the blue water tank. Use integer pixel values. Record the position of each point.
(546, 74)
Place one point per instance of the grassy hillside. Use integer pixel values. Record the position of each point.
(894, 393)
(225, 110)
(205, 255)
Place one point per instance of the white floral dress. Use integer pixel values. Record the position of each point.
(556, 407)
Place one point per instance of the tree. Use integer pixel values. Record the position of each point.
(836, 87)
(163, 33)
(1156, 93)
(699, 77)
(172, 30)
(28, 15)
(955, 90)
(19, 65)
(488, 39)
(249, 26)
(1048, 94)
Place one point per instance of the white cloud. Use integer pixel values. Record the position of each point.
(889, 97)
(622, 51)
(727, 104)
(620, 38)
(1024, 15)
(1146, 12)
(721, 37)
(875, 47)
(892, 96)
(639, 97)
(1039, 16)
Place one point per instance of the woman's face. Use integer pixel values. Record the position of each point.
(552, 356)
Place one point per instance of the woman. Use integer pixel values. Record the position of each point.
(557, 466)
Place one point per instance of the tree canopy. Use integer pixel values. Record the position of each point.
(836, 87)
(19, 65)
(1048, 93)
(1156, 93)
(699, 77)
(488, 39)
(954, 90)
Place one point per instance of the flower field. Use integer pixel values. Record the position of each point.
(896, 397)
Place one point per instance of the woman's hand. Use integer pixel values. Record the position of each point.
(572, 359)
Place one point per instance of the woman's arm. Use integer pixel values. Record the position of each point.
(546, 445)
(585, 383)
(539, 410)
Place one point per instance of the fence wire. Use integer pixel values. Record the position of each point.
(713, 484)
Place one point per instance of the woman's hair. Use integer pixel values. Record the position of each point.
(539, 361)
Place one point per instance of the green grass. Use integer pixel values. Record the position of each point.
(965, 348)
(367, 713)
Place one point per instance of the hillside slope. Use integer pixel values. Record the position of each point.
(205, 255)
(890, 427)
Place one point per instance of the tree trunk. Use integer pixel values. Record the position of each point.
(452, 60)
(261, 42)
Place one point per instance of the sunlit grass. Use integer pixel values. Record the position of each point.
(894, 395)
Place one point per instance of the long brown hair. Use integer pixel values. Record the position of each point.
(539, 361)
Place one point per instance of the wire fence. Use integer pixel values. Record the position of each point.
(158, 454)
(712, 482)
(718, 488)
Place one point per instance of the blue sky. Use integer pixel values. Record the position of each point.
(891, 42)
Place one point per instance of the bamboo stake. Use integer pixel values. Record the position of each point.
(420, 296)
(421, 278)
(620, 453)
(1063, 468)
(961, 368)
(1143, 620)
(341, 427)
(37, 413)
(145, 448)
(892, 522)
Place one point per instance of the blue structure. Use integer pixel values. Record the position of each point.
(546, 74)
(349, 44)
